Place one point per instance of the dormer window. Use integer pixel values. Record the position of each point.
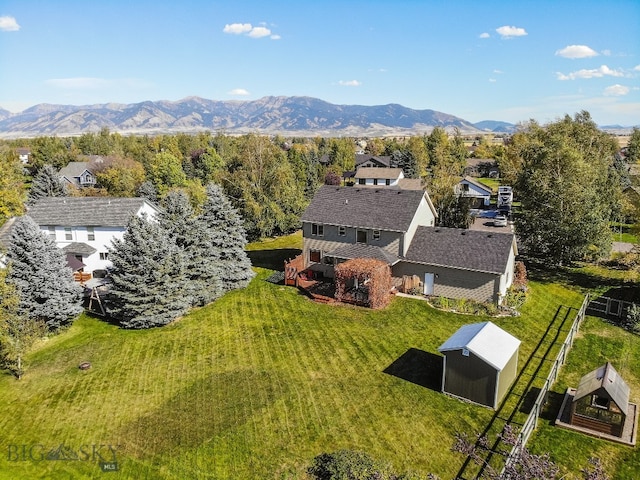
(68, 234)
(91, 234)
(376, 234)
(342, 230)
(317, 229)
(361, 236)
(52, 232)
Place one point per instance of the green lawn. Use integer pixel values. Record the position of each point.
(257, 384)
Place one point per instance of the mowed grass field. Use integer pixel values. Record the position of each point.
(253, 387)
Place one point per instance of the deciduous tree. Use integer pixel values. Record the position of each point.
(18, 333)
(12, 188)
(568, 190)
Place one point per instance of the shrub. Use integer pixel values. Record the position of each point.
(348, 465)
(632, 320)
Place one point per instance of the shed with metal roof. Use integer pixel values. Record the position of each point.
(480, 363)
(601, 401)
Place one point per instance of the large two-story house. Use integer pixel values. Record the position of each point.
(84, 227)
(78, 174)
(398, 227)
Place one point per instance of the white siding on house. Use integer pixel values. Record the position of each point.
(424, 216)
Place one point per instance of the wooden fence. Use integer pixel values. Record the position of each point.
(531, 422)
(609, 307)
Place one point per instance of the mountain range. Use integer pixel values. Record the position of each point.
(289, 116)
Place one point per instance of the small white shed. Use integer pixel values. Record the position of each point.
(480, 363)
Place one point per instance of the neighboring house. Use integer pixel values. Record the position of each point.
(481, 167)
(480, 363)
(379, 161)
(78, 174)
(397, 226)
(24, 154)
(386, 177)
(84, 227)
(479, 195)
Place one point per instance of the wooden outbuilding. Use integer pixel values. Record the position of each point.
(601, 401)
(480, 363)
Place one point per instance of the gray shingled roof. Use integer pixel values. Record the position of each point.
(608, 378)
(365, 157)
(74, 170)
(79, 248)
(5, 232)
(85, 211)
(459, 248)
(380, 209)
(360, 250)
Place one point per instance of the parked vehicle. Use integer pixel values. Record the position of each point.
(500, 221)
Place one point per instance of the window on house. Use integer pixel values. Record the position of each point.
(342, 230)
(314, 256)
(375, 181)
(465, 187)
(362, 181)
(376, 234)
(68, 234)
(600, 402)
(387, 181)
(52, 232)
(104, 255)
(317, 229)
(91, 234)
(361, 236)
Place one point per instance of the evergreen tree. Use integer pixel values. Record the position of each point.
(47, 183)
(227, 239)
(202, 269)
(41, 276)
(148, 191)
(148, 276)
(404, 159)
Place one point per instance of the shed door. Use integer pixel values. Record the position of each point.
(428, 283)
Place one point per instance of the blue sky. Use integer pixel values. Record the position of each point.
(499, 60)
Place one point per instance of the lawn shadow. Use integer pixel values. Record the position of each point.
(552, 404)
(613, 304)
(272, 259)
(419, 367)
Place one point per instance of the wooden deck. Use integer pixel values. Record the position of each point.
(318, 291)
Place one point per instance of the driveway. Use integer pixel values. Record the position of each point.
(484, 221)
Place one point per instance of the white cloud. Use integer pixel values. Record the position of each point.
(259, 32)
(593, 73)
(499, 72)
(239, 91)
(237, 28)
(492, 80)
(616, 91)
(576, 51)
(249, 30)
(606, 53)
(349, 83)
(636, 68)
(484, 35)
(9, 24)
(508, 32)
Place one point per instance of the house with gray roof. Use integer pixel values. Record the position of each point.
(398, 227)
(84, 227)
(78, 174)
(479, 195)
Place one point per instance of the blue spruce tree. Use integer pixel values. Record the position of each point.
(41, 276)
(148, 276)
(227, 238)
